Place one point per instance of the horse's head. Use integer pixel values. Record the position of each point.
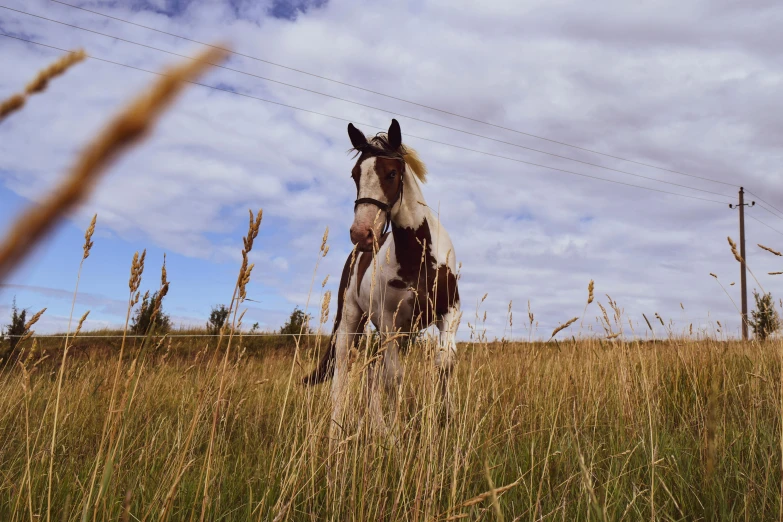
(378, 175)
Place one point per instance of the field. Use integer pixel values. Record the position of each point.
(585, 429)
(595, 427)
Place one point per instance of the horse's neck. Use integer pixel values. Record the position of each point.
(411, 213)
(413, 227)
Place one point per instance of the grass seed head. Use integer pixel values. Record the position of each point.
(81, 322)
(733, 246)
(770, 250)
(88, 237)
(12, 104)
(325, 307)
(564, 326)
(648, 322)
(41, 81)
(324, 248)
(131, 125)
(34, 319)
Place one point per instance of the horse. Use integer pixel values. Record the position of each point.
(414, 277)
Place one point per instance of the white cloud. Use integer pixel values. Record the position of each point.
(692, 88)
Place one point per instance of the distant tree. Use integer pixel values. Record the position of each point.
(298, 322)
(217, 319)
(142, 319)
(16, 329)
(765, 319)
(254, 329)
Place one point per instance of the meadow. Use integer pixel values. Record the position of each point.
(575, 430)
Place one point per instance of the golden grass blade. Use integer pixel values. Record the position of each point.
(733, 246)
(12, 104)
(42, 79)
(770, 250)
(564, 326)
(127, 129)
(39, 83)
(648, 321)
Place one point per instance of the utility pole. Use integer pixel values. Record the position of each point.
(743, 270)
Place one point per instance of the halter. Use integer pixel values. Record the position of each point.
(386, 207)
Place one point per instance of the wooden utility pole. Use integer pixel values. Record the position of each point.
(743, 270)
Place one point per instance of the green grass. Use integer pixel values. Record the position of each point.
(585, 430)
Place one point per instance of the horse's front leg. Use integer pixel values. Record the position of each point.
(346, 333)
(446, 351)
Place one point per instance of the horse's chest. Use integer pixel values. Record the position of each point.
(420, 292)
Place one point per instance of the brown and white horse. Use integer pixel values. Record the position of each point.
(412, 283)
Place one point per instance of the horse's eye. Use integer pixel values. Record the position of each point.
(392, 174)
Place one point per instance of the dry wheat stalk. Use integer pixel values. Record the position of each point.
(41, 80)
(324, 246)
(81, 322)
(590, 288)
(564, 326)
(12, 104)
(39, 83)
(774, 273)
(88, 237)
(129, 127)
(29, 324)
(770, 250)
(648, 322)
(137, 268)
(164, 289)
(325, 306)
(734, 250)
(487, 494)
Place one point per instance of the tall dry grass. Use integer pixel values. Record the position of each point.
(38, 84)
(579, 430)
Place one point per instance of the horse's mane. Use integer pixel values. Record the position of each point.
(378, 145)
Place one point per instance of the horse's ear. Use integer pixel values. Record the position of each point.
(395, 135)
(358, 139)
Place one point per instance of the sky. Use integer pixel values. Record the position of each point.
(689, 87)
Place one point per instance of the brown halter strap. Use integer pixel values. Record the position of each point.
(386, 207)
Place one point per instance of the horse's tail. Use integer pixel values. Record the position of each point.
(325, 368)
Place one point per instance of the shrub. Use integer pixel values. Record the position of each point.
(217, 319)
(16, 329)
(142, 319)
(765, 319)
(298, 322)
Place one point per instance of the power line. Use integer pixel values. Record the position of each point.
(766, 225)
(769, 205)
(766, 209)
(443, 111)
(388, 111)
(379, 128)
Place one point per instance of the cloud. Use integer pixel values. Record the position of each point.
(691, 88)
